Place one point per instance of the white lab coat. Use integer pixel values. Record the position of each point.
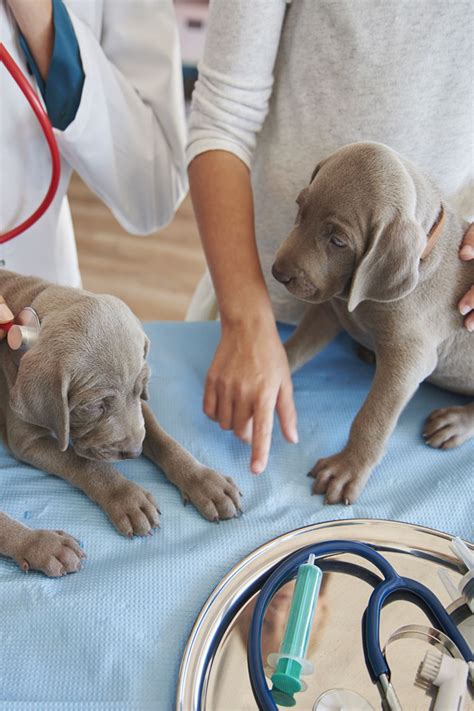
(126, 141)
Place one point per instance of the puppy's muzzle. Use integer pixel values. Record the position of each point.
(294, 279)
(282, 276)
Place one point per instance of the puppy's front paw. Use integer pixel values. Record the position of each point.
(132, 510)
(449, 427)
(341, 477)
(216, 497)
(54, 553)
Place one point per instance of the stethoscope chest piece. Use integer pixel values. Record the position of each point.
(24, 333)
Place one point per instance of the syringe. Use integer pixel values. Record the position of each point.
(290, 663)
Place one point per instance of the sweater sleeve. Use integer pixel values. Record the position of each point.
(231, 97)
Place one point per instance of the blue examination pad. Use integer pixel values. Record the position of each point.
(112, 635)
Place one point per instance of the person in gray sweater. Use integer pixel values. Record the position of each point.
(281, 86)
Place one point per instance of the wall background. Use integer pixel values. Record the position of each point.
(155, 275)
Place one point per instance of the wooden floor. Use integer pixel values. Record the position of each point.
(155, 275)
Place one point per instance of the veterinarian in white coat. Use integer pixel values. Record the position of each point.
(124, 112)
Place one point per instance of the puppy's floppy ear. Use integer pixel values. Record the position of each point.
(389, 268)
(40, 394)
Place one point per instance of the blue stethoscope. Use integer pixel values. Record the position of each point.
(375, 659)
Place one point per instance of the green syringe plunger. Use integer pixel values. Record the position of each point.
(290, 663)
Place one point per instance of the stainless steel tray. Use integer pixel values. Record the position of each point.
(335, 647)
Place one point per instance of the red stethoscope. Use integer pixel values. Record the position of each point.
(26, 88)
(23, 330)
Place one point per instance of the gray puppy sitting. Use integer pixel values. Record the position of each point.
(375, 251)
(74, 405)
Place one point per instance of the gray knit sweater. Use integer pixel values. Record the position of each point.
(282, 85)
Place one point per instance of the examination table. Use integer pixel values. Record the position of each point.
(111, 637)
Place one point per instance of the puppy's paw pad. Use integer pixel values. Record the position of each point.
(340, 477)
(215, 497)
(132, 510)
(54, 553)
(449, 427)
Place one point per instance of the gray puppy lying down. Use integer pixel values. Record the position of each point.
(374, 251)
(75, 405)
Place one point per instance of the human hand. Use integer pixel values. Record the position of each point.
(248, 378)
(5, 316)
(466, 305)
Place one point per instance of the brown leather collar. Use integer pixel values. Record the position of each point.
(433, 234)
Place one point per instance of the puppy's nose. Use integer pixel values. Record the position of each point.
(280, 276)
(131, 453)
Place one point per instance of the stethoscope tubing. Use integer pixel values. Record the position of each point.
(376, 662)
(30, 95)
(392, 583)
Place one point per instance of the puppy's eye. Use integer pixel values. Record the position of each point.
(337, 241)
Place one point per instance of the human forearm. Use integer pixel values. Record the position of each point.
(223, 203)
(35, 20)
(249, 376)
